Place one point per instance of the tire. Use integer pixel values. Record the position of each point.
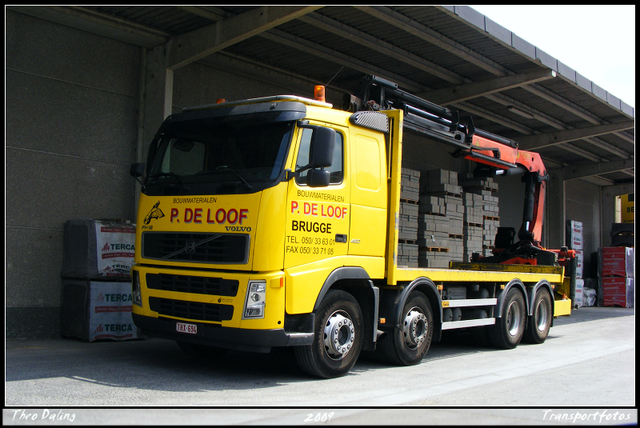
(202, 352)
(337, 338)
(539, 322)
(509, 329)
(409, 344)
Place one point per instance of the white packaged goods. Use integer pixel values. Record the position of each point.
(110, 311)
(115, 246)
(97, 310)
(579, 297)
(588, 297)
(579, 263)
(98, 249)
(575, 235)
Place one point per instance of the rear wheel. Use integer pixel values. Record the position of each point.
(409, 344)
(337, 338)
(540, 321)
(509, 329)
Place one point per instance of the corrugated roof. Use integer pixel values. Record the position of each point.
(427, 50)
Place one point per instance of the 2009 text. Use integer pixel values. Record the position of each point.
(319, 417)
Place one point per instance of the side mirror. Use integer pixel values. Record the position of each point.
(137, 170)
(318, 178)
(321, 147)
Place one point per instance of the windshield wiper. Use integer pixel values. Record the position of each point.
(169, 174)
(225, 168)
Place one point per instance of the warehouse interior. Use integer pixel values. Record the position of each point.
(88, 86)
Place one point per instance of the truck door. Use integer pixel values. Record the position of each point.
(317, 225)
(368, 197)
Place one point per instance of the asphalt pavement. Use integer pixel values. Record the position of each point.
(151, 381)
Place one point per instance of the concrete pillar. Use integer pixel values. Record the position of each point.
(156, 98)
(555, 212)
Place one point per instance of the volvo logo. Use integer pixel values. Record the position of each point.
(190, 246)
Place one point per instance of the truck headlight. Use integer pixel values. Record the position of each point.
(136, 295)
(255, 300)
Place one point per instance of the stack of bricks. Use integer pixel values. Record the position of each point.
(408, 222)
(482, 215)
(440, 221)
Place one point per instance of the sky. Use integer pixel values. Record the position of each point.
(596, 41)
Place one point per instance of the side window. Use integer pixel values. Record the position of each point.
(336, 169)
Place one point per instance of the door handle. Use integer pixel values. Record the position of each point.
(341, 238)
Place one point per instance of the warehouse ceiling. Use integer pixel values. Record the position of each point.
(450, 55)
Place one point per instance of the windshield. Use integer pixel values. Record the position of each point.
(201, 158)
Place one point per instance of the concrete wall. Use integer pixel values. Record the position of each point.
(71, 129)
(582, 201)
(72, 111)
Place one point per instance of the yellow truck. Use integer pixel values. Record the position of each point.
(274, 222)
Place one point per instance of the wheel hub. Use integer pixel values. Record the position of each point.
(339, 335)
(415, 328)
(513, 319)
(542, 317)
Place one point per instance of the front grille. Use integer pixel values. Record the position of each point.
(191, 310)
(196, 247)
(193, 284)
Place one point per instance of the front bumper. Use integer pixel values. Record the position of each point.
(222, 337)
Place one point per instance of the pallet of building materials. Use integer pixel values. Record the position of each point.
(408, 225)
(617, 261)
(432, 205)
(97, 310)
(407, 255)
(433, 241)
(482, 208)
(439, 182)
(475, 184)
(409, 185)
(618, 291)
(433, 259)
(473, 235)
(98, 249)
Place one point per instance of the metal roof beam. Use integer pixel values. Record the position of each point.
(478, 111)
(609, 147)
(187, 48)
(584, 153)
(97, 23)
(214, 14)
(478, 89)
(538, 141)
(415, 28)
(385, 48)
(430, 36)
(320, 51)
(525, 130)
(591, 169)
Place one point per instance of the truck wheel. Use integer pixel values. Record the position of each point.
(409, 344)
(202, 352)
(337, 338)
(540, 322)
(508, 330)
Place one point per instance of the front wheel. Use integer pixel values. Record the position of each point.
(337, 338)
(509, 329)
(409, 344)
(540, 321)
